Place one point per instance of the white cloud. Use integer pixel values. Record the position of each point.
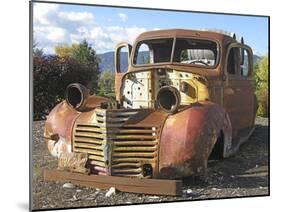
(42, 12)
(52, 26)
(123, 16)
(56, 34)
(76, 16)
(133, 32)
(47, 36)
(105, 38)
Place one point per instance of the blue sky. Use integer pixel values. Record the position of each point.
(104, 27)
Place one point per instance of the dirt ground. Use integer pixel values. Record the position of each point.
(245, 174)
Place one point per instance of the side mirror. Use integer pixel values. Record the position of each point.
(122, 57)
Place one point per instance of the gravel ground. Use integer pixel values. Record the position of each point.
(245, 174)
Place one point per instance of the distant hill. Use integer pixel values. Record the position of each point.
(107, 60)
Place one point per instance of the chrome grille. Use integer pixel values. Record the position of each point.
(115, 148)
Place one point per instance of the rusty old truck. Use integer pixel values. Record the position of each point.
(186, 96)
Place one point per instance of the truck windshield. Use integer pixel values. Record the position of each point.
(197, 52)
(153, 51)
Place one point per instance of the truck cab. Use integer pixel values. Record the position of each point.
(182, 97)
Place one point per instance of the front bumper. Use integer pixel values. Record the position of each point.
(125, 184)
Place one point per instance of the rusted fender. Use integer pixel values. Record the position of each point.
(188, 138)
(58, 127)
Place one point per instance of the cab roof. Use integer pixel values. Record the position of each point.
(182, 33)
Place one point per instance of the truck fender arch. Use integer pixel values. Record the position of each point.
(188, 138)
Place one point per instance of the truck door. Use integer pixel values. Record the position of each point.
(122, 59)
(239, 89)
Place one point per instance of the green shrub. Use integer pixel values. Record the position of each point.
(262, 80)
(106, 84)
(51, 75)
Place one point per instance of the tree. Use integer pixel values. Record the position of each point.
(84, 54)
(106, 84)
(37, 52)
(262, 80)
(63, 50)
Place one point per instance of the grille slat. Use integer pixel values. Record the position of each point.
(90, 151)
(90, 135)
(126, 160)
(134, 149)
(93, 130)
(134, 154)
(135, 143)
(131, 137)
(136, 164)
(90, 141)
(136, 170)
(98, 163)
(90, 146)
(97, 158)
(133, 131)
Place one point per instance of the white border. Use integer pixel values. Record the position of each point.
(14, 102)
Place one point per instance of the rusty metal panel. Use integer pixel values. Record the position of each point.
(139, 90)
(185, 150)
(58, 128)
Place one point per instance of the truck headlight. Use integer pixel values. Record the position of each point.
(168, 99)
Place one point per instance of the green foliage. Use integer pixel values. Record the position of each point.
(63, 50)
(84, 54)
(36, 52)
(106, 84)
(262, 81)
(51, 75)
